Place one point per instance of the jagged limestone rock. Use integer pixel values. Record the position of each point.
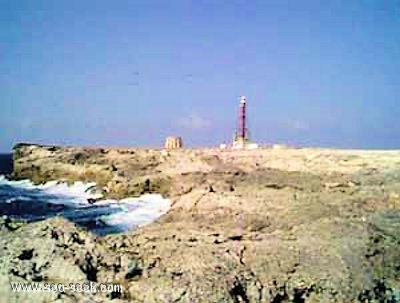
(266, 225)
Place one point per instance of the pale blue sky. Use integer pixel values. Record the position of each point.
(129, 73)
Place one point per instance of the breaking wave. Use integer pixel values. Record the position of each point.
(24, 200)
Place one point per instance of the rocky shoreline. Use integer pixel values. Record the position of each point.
(289, 225)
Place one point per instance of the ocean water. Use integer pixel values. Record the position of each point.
(24, 200)
(6, 163)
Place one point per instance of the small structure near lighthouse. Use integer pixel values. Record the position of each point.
(173, 142)
(242, 138)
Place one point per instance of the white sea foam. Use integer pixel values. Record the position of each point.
(128, 213)
(58, 192)
(78, 189)
(18, 198)
(27, 184)
(138, 211)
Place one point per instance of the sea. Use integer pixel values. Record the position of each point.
(25, 201)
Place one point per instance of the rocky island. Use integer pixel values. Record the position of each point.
(263, 225)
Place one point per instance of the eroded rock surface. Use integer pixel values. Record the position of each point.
(293, 225)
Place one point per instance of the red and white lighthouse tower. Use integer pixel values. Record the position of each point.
(242, 125)
(241, 139)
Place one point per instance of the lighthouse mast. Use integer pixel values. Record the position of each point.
(241, 139)
(242, 130)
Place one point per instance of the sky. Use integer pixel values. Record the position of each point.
(130, 73)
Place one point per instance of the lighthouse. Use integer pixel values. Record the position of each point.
(241, 138)
(242, 130)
